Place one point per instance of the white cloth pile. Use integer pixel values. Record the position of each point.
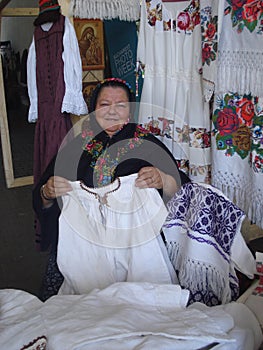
(125, 316)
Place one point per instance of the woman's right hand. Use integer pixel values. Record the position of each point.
(56, 186)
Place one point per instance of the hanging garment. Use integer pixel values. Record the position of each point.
(73, 100)
(112, 234)
(125, 10)
(205, 245)
(51, 91)
(172, 99)
(237, 156)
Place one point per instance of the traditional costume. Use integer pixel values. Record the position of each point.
(54, 84)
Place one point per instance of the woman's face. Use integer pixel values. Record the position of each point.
(112, 109)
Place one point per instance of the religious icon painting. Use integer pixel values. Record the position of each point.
(90, 37)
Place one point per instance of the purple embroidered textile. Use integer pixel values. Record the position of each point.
(207, 212)
(200, 229)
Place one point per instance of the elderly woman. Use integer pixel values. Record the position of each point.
(113, 147)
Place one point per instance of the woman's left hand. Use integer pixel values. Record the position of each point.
(155, 178)
(149, 177)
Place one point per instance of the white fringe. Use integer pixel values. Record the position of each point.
(252, 207)
(125, 10)
(200, 277)
(240, 72)
(197, 276)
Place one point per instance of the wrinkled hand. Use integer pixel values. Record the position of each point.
(149, 177)
(56, 186)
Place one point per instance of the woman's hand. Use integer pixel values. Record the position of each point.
(151, 177)
(56, 186)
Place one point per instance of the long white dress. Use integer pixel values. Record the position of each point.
(237, 141)
(172, 99)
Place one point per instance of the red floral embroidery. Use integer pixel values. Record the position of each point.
(102, 162)
(238, 128)
(227, 121)
(209, 35)
(183, 20)
(247, 110)
(246, 13)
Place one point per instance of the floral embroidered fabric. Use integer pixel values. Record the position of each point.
(102, 161)
(172, 100)
(237, 156)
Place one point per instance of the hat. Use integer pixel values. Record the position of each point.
(48, 5)
(49, 11)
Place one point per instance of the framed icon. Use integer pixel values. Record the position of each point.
(90, 37)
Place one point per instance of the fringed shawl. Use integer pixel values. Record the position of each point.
(126, 10)
(205, 245)
(240, 55)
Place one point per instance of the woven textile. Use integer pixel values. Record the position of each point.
(126, 10)
(205, 245)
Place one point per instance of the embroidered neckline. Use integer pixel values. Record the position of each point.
(102, 163)
(185, 21)
(101, 199)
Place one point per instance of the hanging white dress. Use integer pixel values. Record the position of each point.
(172, 100)
(112, 234)
(237, 141)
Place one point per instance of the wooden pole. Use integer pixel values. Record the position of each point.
(20, 12)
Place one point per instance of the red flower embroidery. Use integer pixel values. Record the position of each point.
(206, 140)
(252, 10)
(227, 121)
(247, 110)
(236, 4)
(183, 20)
(211, 31)
(196, 18)
(206, 52)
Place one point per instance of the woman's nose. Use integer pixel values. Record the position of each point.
(112, 109)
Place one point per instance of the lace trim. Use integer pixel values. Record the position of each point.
(125, 10)
(240, 71)
(73, 102)
(246, 195)
(180, 75)
(208, 88)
